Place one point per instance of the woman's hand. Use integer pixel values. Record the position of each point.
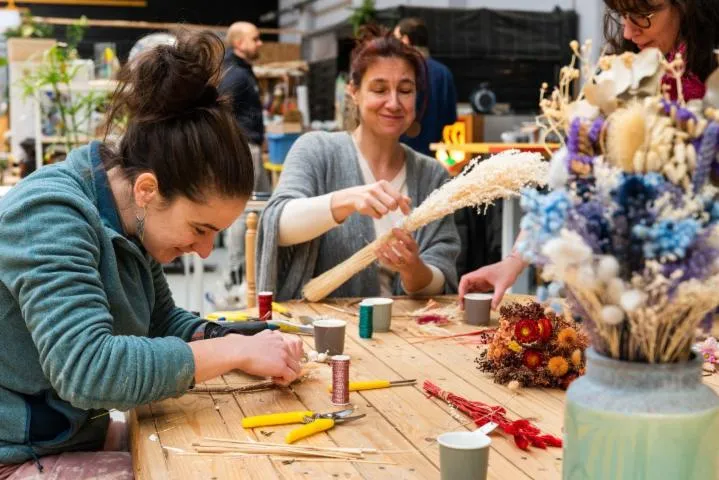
(401, 254)
(498, 276)
(270, 354)
(374, 200)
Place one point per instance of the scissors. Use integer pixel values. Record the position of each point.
(313, 422)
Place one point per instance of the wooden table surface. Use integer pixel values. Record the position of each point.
(401, 422)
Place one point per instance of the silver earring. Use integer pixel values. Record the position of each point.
(140, 224)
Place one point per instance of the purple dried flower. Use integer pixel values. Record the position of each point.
(573, 137)
(698, 261)
(705, 156)
(596, 130)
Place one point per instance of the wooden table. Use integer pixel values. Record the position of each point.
(401, 422)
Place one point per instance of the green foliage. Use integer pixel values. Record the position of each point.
(56, 74)
(364, 14)
(28, 28)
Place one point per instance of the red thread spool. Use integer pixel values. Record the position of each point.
(340, 379)
(264, 300)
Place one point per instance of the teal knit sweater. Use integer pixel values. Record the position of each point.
(87, 322)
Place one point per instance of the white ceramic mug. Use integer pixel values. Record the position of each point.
(381, 313)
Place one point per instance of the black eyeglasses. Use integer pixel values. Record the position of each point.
(641, 20)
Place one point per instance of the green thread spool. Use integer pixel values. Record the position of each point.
(365, 321)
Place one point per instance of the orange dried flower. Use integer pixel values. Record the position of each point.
(526, 331)
(557, 366)
(567, 338)
(577, 358)
(532, 359)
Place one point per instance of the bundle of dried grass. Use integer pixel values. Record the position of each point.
(481, 183)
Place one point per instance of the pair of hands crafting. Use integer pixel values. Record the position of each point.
(401, 254)
(498, 277)
(270, 353)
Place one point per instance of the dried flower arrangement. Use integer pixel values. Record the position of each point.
(630, 228)
(535, 348)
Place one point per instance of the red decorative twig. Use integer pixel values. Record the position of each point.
(524, 433)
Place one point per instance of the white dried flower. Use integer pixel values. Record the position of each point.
(612, 315)
(558, 173)
(513, 385)
(569, 249)
(587, 276)
(607, 268)
(632, 300)
(615, 288)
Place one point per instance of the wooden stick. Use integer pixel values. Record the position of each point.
(306, 447)
(445, 337)
(276, 451)
(251, 387)
(376, 462)
(340, 309)
(154, 25)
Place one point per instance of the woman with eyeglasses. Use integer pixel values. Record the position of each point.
(689, 27)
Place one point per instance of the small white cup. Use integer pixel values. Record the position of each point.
(381, 313)
(463, 455)
(477, 307)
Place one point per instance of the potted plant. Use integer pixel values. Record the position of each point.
(67, 111)
(629, 231)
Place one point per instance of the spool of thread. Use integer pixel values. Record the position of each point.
(365, 321)
(340, 379)
(264, 302)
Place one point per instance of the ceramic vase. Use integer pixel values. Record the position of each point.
(635, 421)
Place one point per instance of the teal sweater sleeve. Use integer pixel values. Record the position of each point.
(168, 319)
(50, 259)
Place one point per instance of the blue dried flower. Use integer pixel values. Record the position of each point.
(698, 262)
(545, 216)
(667, 238)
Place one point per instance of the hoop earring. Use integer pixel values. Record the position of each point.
(414, 130)
(140, 224)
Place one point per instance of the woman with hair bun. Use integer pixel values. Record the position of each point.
(88, 322)
(340, 191)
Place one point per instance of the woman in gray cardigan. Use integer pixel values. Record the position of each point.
(339, 191)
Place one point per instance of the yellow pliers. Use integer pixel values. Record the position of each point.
(313, 422)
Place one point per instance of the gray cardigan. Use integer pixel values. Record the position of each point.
(320, 163)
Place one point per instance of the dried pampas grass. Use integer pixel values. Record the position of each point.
(626, 135)
(481, 183)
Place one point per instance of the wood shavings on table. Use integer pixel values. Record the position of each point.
(452, 312)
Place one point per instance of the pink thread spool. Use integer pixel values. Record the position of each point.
(340, 379)
(264, 302)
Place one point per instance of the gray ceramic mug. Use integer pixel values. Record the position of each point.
(330, 335)
(463, 455)
(477, 307)
(381, 313)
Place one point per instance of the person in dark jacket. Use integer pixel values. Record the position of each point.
(439, 108)
(239, 82)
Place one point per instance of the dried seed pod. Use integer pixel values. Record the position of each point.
(639, 161)
(691, 157)
(653, 162)
(680, 153)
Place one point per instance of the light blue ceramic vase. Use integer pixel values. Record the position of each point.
(640, 421)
